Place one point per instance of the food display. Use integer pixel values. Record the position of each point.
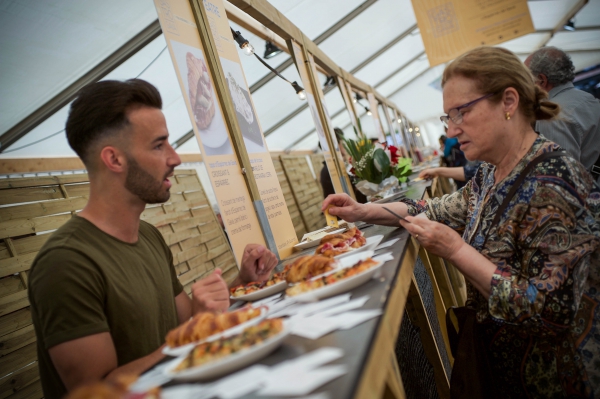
(200, 91)
(223, 347)
(336, 244)
(205, 324)
(245, 289)
(309, 266)
(309, 285)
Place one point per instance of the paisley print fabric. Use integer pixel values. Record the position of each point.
(543, 302)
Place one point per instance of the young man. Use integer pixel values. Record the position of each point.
(103, 289)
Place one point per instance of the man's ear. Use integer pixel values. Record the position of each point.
(543, 81)
(510, 100)
(113, 159)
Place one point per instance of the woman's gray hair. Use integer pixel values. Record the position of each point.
(554, 63)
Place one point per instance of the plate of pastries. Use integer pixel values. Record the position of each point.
(342, 244)
(350, 273)
(209, 326)
(256, 290)
(222, 356)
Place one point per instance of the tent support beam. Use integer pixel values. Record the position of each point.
(107, 65)
(320, 39)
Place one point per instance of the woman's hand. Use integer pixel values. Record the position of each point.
(437, 238)
(428, 173)
(344, 207)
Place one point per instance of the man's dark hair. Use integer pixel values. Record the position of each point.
(100, 110)
(554, 63)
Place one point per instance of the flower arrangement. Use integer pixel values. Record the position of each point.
(376, 163)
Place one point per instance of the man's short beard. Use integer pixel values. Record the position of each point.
(144, 185)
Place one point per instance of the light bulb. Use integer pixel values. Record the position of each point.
(410, 129)
(399, 120)
(248, 48)
(302, 95)
(354, 100)
(417, 129)
(418, 134)
(369, 113)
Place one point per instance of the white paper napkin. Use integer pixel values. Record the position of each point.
(240, 383)
(268, 300)
(387, 244)
(301, 382)
(348, 320)
(384, 257)
(344, 307)
(313, 327)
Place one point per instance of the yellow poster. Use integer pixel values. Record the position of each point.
(234, 201)
(451, 27)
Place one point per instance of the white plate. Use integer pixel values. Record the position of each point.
(185, 349)
(262, 293)
(370, 245)
(340, 287)
(229, 363)
(314, 243)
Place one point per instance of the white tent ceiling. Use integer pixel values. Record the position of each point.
(47, 45)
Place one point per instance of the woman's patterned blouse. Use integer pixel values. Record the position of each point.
(541, 248)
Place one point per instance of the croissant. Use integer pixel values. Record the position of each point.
(205, 324)
(307, 267)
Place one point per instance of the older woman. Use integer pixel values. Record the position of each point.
(527, 273)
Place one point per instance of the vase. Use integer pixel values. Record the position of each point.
(383, 189)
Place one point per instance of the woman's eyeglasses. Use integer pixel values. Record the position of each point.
(456, 116)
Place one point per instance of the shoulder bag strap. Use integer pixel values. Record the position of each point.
(520, 179)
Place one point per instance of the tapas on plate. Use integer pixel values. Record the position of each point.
(336, 244)
(334, 283)
(227, 354)
(208, 326)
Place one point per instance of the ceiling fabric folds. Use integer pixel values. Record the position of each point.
(49, 45)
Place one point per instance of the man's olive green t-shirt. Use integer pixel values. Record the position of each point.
(84, 282)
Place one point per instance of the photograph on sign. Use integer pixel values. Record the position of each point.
(202, 99)
(243, 106)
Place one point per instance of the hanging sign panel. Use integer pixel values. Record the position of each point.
(226, 175)
(451, 27)
(312, 105)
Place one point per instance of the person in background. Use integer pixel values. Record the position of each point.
(454, 164)
(103, 289)
(577, 129)
(325, 177)
(460, 174)
(528, 271)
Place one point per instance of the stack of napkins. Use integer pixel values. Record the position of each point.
(295, 377)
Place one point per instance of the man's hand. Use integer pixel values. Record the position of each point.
(257, 264)
(437, 238)
(210, 294)
(344, 207)
(428, 173)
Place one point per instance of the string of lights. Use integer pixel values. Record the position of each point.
(249, 50)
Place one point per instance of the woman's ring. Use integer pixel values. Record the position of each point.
(417, 236)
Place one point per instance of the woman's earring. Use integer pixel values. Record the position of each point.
(507, 116)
